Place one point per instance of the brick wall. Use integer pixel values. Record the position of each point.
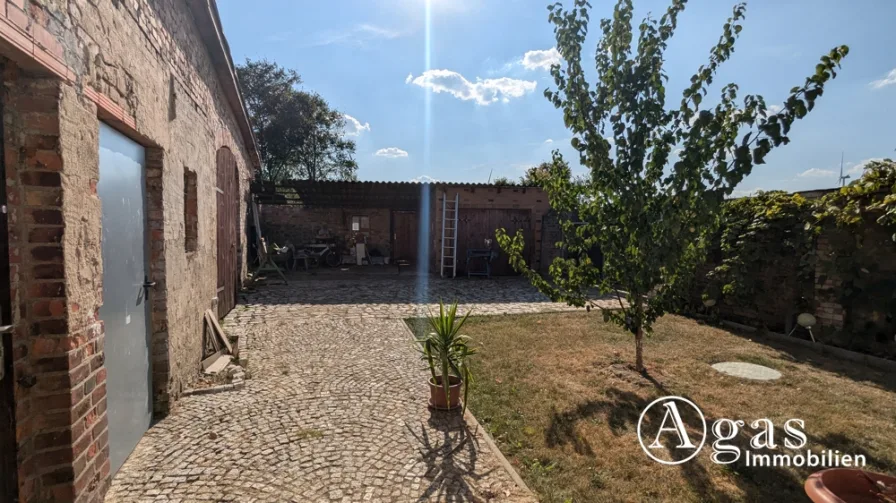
(773, 305)
(828, 310)
(60, 397)
(473, 197)
(781, 293)
(286, 223)
(282, 223)
(863, 320)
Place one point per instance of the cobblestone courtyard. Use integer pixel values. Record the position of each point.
(335, 409)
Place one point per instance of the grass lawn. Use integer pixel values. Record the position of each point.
(557, 393)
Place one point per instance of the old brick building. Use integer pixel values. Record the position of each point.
(127, 155)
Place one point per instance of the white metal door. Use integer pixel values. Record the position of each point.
(125, 307)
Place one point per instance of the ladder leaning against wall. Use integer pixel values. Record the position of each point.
(449, 234)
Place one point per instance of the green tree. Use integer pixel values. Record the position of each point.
(504, 181)
(649, 211)
(299, 136)
(537, 176)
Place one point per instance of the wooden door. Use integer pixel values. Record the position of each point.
(404, 235)
(477, 225)
(227, 231)
(8, 446)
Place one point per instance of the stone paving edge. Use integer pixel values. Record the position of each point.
(475, 425)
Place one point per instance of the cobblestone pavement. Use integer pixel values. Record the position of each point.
(334, 409)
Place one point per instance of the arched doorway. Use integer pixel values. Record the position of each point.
(228, 224)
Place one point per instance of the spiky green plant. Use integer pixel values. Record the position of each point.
(446, 348)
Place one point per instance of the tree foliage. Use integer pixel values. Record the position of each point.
(649, 212)
(767, 231)
(299, 136)
(504, 181)
(871, 196)
(537, 176)
(776, 231)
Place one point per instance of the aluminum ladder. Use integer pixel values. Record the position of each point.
(449, 234)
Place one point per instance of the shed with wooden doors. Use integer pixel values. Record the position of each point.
(437, 225)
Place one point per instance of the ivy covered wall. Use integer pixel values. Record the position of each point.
(777, 255)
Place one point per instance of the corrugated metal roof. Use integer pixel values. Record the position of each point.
(396, 182)
(359, 194)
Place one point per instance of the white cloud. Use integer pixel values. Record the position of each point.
(409, 78)
(424, 179)
(549, 141)
(889, 80)
(353, 126)
(377, 31)
(541, 60)
(358, 36)
(859, 168)
(773, 109)
(391, 152)
(816, 173)
(483, 92)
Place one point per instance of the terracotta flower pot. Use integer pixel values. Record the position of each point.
(845, 485)
(437, 393)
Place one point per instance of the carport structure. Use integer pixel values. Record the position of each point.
(407, 220)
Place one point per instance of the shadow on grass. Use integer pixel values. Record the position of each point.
(622, 409)
(797, 353)
(448, 448)
(846, 445)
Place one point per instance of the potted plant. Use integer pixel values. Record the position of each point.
(446, 350)
(850, 485)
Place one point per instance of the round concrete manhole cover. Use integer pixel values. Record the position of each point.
(747, 371)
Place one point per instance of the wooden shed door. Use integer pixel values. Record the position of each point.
(9, 490)
(228, 223)
(477, 225)
(404, 235)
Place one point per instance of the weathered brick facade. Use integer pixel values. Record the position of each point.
(159, 72)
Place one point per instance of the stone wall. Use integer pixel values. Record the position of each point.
(142, 67)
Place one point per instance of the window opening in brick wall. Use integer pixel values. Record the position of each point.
(360, 223)
(191, 212)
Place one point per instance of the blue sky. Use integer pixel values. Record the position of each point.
(487, 112)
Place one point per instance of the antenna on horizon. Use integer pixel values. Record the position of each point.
(843, 177)
(490, 175)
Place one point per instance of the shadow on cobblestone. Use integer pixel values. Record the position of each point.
(449, 451)
(335, 410)
(313, 291)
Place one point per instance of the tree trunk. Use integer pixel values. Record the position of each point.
(639, 350)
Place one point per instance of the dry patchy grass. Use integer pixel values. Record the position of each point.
(557, 393)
